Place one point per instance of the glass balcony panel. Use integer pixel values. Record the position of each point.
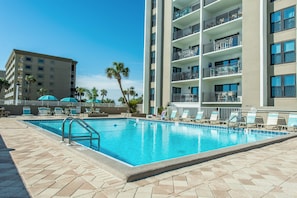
(188, 97)
(185, 32)
(222, 96)
(223, 18)
(221, 44)
(179, 13)
(222, 70)
(206, 2)
(185, 53)
(184, 76)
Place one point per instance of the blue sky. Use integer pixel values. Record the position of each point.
(93, 32)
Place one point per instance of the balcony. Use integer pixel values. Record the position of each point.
(184, 76)
(207, 2)
(187, 97)
(223, 18)
(179, 13)
(185, 54)
(222, 70)
(221, 44)
(187, 31)
(222, 97)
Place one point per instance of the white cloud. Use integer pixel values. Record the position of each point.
(111, 85)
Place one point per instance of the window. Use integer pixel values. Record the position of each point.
(152, 75)
(28, 66)
(152, 94)
(226, 87)
(153, 4)
(153, 39)
(40, 68)
(40, 76)
(194, 90)
(282, 20)
(283, 52)
(283, 86)
(153, 58)
(152, 110)
(40, 61)
(39, 83)
(28, 59)
(153, 20)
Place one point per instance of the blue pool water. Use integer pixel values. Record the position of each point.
(138, 142)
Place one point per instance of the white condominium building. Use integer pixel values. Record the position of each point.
(220, 53)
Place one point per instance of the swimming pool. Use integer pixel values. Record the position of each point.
(138, 142)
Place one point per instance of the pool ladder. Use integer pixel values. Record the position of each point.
(237, 122)
(83, 124)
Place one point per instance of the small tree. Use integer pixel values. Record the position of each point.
(4, 84)
(92, 95)
(117, 71)
(103, 93)
(42, 91)
(80, 92)
(29, 79)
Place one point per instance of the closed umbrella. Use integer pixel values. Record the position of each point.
(68, 99)
(47, 98)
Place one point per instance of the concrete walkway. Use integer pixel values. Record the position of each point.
(35, 165)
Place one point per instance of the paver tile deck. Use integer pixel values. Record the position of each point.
(35, 165)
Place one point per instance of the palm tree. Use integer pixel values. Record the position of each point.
(103, 93)
(92, 94)
(42, 91)
(4, 84)
(80, 91)
(116, 71)
(29, 79)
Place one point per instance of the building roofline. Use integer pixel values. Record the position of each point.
(16, 51)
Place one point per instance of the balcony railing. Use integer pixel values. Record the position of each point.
(187, 31)
(206, 2)
(222, 96)
(222, 70)
(184, 76)
(223, 18)
(186, 10)
(221, 44)
(185, 98)
(185, 54)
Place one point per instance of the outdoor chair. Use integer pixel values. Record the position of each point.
(291, 124)
(199, 116)
(249, 120)
(214, 118)
(272, 121)
(27, 111)
(232, 120)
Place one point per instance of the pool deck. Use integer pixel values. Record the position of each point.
(33, 165)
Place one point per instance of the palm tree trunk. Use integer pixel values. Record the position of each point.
(125, 99)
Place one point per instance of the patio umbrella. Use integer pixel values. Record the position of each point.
(95, 101)
(68, 99)
(48, 98)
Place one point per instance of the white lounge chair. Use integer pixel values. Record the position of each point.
(173, 115)
(185, 115)
(214, 118)
(27, 111)
(199, 116)
(292, 123)
(44, 111)
(250, 120)
(58, 111)
(272, 121)
(232, 120)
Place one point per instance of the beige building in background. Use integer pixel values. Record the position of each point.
(55, 74)
(220, 53)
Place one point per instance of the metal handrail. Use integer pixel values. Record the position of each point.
(82, 123)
